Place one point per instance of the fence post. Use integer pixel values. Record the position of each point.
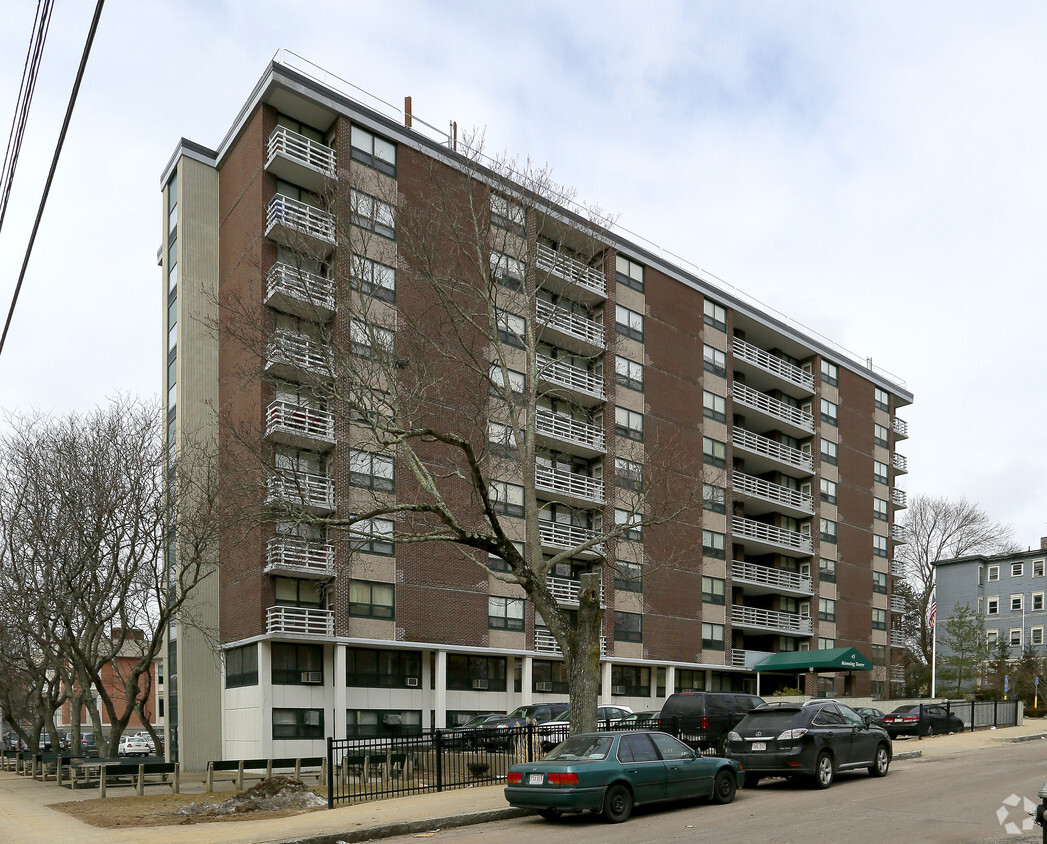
(176, 786)
(210, 777)
(140, 788)
(330, 772)
(919, 722)
(240, 776)
(995, 705)
(101, 781)
(439, 745)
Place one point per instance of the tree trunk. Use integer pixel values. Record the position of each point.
(583, 658)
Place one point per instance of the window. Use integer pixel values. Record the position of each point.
(373, 536)
(830, 374)
(507, 498)
(549, 677)
(714, 544)
(714, 406)
(882, 399)
(502, 437)
(829, 412)
(368, 599)
(505, 613)
(372, 214)
(372, 278)
(635, 678)
(506, 214)
(629, 323)
(827, 570)
(714, 451)
(828, 490)
(880, 509)
(369, 723)
(715, 361)
(1037, 601)
(632, 521)
(628, 473)
(298, 593)
(827, 531)
(1017, 569)
(712, 636)
(628, 373)
(1036, 636)
(512, 329)
(374, 667)
(629, 273)
(241, 667)
(879, 546)
(628, 627)
(372, 150)
(879, 619)
(881, 436)
(992, 606)
(628, 577)
(826, 609)
(881, 473)
(880, 582)
(298, 724)
(370, 471)
(365, 339)
(496, 563)
(1016, 637)
(713, 590)
(498, 384)
(628, 424)
(482, 673)
(879, 654)
(507, 271)
(994, 573)
(1037, 568)
(1017, 602)
(714, 498)
(826, 644)
(715, 315)
(290, 663)
(828, 449)
(991, 636)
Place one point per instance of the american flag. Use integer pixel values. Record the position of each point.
(934, 605)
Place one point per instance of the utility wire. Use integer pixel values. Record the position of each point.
(54, 166)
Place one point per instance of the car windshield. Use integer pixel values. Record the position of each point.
(581, 747)
(773, 720)
(475, 721)
(903, 710)
(519, 712)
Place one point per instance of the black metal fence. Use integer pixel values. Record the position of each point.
(974, 714)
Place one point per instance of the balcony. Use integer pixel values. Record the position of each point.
(898, 534)
(565, 590)
(300, 160)
(581, 438)
(298, 292)
(768, 455)
(900, 427)
(769, 497)
(288, 555)
(298, 225)
(762, 538)
(899, 498)
(758, 365)
(545, 643)
(897, 603)
(763, 580)
(290, 356)
(569, 487)
(900, 463)
(302, 489)
(299, 425)
(586, 388)
(560, 537)
(771, 621)
(897, 639)
(897, 568)
(299, 621)
(898, 673)
(569, 330)
(585, 282)
(787, 418)
(747, 659)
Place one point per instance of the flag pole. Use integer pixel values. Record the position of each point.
(934, 643)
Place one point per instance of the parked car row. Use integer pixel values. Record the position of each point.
(139, 744)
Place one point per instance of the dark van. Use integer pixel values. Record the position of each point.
(703, 719)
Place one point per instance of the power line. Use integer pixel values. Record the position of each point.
(54, 166)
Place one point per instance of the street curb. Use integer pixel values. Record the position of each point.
(1011, 740)
(390, 830)
(908, 754)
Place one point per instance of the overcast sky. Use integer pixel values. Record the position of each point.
(876, 171)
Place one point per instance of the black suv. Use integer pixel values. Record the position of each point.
(815, 739)
(703, 719)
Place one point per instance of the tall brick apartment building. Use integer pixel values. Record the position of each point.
(790, 549)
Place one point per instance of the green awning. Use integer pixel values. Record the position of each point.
(831, 659)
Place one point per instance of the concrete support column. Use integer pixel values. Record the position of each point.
(526, 681)
(428, 694)
(265, 688)
(441, 689)
(708, 679)
(605, 680)
(341, 691)
(670, 680)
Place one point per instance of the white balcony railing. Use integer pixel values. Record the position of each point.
(749, 441)
(303, 291)
(897, 568)
(780, 579)
(566, 429)
(556, 535)
(299, 422)
(899, 498)
(743, 528)
(568, 483)
(897, 639)
(897, 603)
(565, 589)
(747, 659)
(296, 351)
(900, 462)
(545, 643)
(292, 214)
(302, 489)
(302, 150)
(898, 533)
(773, 364)
(576, 326)
(571, 377)
(900, 426)
(781, 622)
(762, 402)
(299, 621)
(296, 556)
(571, 269)
(775, 493)
(898, 673)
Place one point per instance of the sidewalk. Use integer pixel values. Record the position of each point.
(25, 816)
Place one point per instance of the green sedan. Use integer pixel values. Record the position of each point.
(614, 771)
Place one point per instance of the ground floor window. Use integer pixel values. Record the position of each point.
(632, 680)
(366, 667)
(549, 677)
(368, 723)
(479, 673)
(298, 723)
(297, 664)
(687, 679)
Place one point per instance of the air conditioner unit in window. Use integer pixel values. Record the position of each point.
(618, 690)
(805, 489)
(312, 677)
(412, 682)
(479, 684)
(805, 646)
(543, 687)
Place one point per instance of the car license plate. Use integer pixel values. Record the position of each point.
(759, 745)
(535, 779)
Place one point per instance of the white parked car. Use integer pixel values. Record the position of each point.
(132, 746)
(148, 739)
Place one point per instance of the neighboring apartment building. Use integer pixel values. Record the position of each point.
(795, 543)
(1007, 589)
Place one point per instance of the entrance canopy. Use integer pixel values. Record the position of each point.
(831, 659)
